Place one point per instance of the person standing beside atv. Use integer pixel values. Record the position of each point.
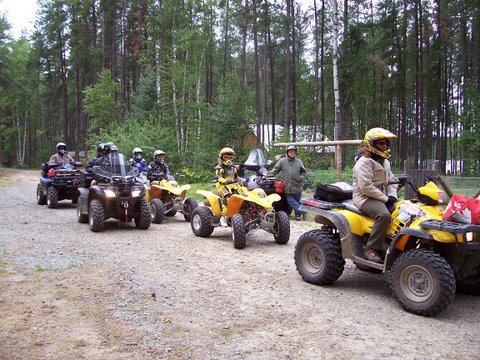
(372, 192)
(137, 160)
(293, 173)
(158, 168)
(61, 157)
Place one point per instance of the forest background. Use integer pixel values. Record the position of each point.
(192, 76)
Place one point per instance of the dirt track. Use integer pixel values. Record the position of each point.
(164, 294)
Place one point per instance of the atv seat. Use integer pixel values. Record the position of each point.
(349, 205)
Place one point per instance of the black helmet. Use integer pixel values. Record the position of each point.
(100, 148)
(107, 148)
(113, 149)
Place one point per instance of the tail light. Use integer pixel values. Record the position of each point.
(51, 173)
(279, 186)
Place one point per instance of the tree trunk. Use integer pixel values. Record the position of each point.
(257, 75)
(288, 74)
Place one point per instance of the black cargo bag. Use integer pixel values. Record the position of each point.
(333, 192)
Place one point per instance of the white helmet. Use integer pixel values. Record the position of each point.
(137, 153)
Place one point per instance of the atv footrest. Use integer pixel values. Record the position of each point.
(462, 232)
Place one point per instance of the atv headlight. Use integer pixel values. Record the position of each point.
(110, 193)
(136, 193)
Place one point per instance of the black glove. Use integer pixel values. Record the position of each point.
(390, 204)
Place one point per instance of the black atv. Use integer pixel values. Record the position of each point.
(114, 192)
(257, 162)
(58, 183)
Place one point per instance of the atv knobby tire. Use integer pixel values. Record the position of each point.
(41, 198)
(422, 282)
(157, 210)
(239, 236)
(469, 286)
(188, 206)
(201, 221)
(96, 215)
(52, 197)
(143, 218)
(318, 257)
(281, 228)
(169, 210)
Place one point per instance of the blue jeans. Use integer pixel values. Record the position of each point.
(293, 201)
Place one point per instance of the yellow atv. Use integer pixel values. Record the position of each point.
(246, 210)
(426, 261)
(166, 198)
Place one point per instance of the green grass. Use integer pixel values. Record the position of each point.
(192, 193)
(40, 268)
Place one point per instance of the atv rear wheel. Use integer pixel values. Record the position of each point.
(422, 282)
(41, 198)
(143, 218)
(201, 221)
(188, 206)
(318, 257)
(238, 232)
(169, 210)
(52, 197)
(281, 228)
(469, 286)
(157, 210)
(82, 218)
(96, 215)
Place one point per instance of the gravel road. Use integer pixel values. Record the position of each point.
(162, 293)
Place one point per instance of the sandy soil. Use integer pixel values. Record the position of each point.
(162, 293)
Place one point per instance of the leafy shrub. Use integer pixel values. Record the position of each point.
(326, 176)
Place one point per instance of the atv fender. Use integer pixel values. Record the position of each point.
(236, 201)
(214, 200)
(336, 220)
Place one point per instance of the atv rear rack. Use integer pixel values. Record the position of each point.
(460, 232)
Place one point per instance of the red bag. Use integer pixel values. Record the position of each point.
(463, 209)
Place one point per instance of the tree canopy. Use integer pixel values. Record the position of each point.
(192, 76)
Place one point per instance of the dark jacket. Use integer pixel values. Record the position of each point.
(292, 171)
(157, 170)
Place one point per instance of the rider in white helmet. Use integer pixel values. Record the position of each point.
(137, 160)
(61, 157)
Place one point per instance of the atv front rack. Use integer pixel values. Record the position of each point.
(467, 236)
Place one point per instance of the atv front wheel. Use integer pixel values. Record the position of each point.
(157, 210)
(143, 218)
(281, 228)
(238, 232)
(96, 215)
(422, 282)
(188, 206)
(52, 197)
(318, 257)
(201, 221)
(41, 198)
